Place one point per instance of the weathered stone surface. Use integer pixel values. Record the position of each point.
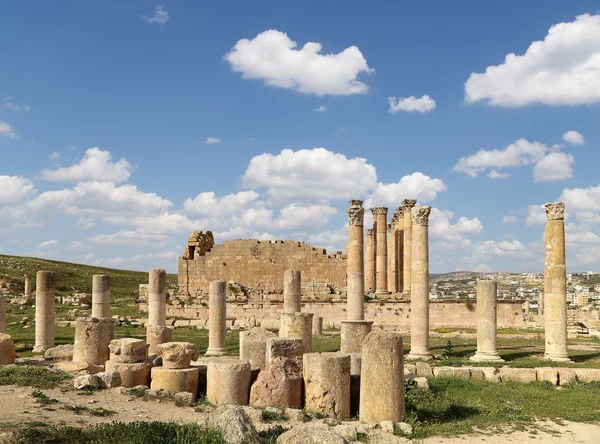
(157, 334)
(175, 379)
(86, 382)
(253, 346)
(422, 382)
(487, 321)
(476, 373)
(92, 337)
(228, 382)
(518, 374)
(109, 379)
(59, 353)
(177, 355)
(410, 369)
(45, 310)
(462, 372)
(133, 374)
(296, 415)
(185, 398)
(235, 425)
(76, 367)
(566, 376)
(588, 374)
(491, 374)
(280, 385)
(387, 426)
(405, 428)
(284, 348)
(352, 335)
(7, 349)
(348, 431)
(547, 374)
(128, 350)
(443, 372)
(217, 316)
(311, 434)
(327, 384)
(297, 326)
(423, 369)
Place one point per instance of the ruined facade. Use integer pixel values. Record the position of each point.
(257, 267)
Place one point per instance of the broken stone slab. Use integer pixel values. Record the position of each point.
(587, 374)
(132, 375)
(8, 352)
(280, 385)
(59, 353)
(253, 346)
(316, 433)
(109, 379)
(566, 376)
(518, 374)
(77, 367)
(235, 425)
(128, 350)
(547, 374)
(87, 382)
(185, 399)
(177, 355)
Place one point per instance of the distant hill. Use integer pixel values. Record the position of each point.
(459, 275)
(72, 278)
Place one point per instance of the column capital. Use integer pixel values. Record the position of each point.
(555, 210)
(391, 227)
(379, 210)
(369, 231)
(356, 213)
(420, 215)
(407, 204)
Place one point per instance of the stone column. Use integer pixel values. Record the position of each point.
(370, 271)
(355, 328)
(555, 284)
(541, 303)
(382, 378)
(27, 292)
(101, 296)
(92, 340)
(400, 252)
(392, 276)
(292, 284)
(419, 301)
(45, 309)
(327, 384)
(317, 328)
(217, 317)
(407, 205)
(380, 217)
(297, 326)
(157, 298)
(2, 314)
(487, 316)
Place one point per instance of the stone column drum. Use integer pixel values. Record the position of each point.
(157, 297)
(370, 260)
(407, 205)
(382, 378)
(45, 308)
(92, 340)
(253, 346)
(292, 291)
(297, 326)
(228, 382)
(317, 328)
(101, 296)
(555, 284)
(2, 314)
(27, 292)
(419, 301)
(392, 274)
(327, 384)
(541, 303)
(217, 317)
(487, 316)
(352, 335)
(380, 217)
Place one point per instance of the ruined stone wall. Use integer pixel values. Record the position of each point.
(388, 314)
(259, 265)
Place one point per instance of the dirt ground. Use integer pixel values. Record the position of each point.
(19, 406)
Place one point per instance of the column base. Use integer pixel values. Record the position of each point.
(41, 348)
(216, 352)
(557, 358)
(382, 293)
(418, 357)
(480, 357)
(352, 335)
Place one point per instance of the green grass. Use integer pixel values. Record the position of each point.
(39, 377)
(118, 432)
(269, 416)
(456, 406)
(81, 409)
(41, 398)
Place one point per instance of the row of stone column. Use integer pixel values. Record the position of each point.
(389, 252)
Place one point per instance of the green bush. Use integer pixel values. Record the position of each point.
(39, 377)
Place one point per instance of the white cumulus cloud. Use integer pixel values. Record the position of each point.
(160, 15)
(272, 56)
(321, 109)
(553, 167)
(411, 104)
(563, 69)
(497, 175)
(14, 188)
(574, 138)
(96, 165)
(414, 186)
(212, 140)
(206, 204)
(7, 130)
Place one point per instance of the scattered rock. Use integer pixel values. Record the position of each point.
(235, 425)
(185, 398)
(421, 382)
(295, 415)
(348, 431)
(311, 434)
(279, 385)
(405, 428)
(86, 382)
(387, 426)
(109, 379)
(423, 369)
(59, 353)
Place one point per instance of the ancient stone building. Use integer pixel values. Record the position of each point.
(257, 267)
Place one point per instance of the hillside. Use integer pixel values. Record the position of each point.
(72, 278)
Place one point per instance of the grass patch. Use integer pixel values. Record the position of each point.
(456, 406)
(39, 377)
(270, 436)
(80, 410)
(118, 432)
(270, 416)
(41, 398)
(138, 392)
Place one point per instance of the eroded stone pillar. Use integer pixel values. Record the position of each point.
(419, 301)
(392, 274)
(355, 262)
(292, 293)
(555, 284)
(101, 296)
(27, 292)
(487, 317)
(352, 334)
(92, 339)
(297, 326)
(400, 252)
(228, 382)
(380, 218)
(382, 378)
(157, 297)
(327, 384)
(541, 303)
(370, 260)
(407, 205)
(217, 318)
(317, 329)
(45, 309)
(2, 314)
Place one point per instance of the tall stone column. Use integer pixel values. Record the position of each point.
(292, 291)
(217, 317)
(392, 275)
(156, 330)
(400, 251)
(2, 314)
(355, 328)
(101, 296)
(487, 317)
(419, 300)
(380, 217)
(555, 284)
(370, 260)
(541, 303)
(407, 205)
(27, 292)
(45, 308)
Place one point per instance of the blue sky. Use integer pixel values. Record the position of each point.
(124, 126)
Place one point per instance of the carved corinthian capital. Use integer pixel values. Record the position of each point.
(407, 205)
(379, 210)
(420, 215)
(555, 211)
(356, 213)
(369, 231)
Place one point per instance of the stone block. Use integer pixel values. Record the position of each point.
(280, 385)
(327, 384)
(87, 382)
(109, 379)
(7, 349)
(228, 382)
(587, 374)
(156, 335)
(175, 379)
(566, 376)
(59, 353)
(253, 346)
(133, 374)
(491, 374)
(284, 348)
(518, 374)
(443, 372)
(77, 367)
(177, 355)
(128, 350)
(423, 369)
(92, 338)
(547, 374)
